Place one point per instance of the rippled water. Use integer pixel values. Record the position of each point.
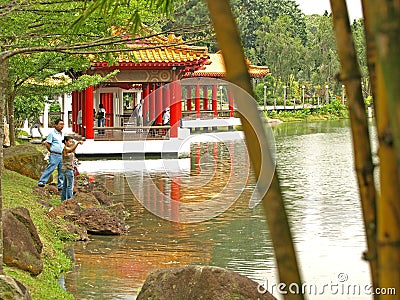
(316, 171)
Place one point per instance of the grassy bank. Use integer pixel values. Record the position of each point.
(17, 191)
(333, 111)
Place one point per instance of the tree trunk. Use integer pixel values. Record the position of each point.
(258, 144)
(351, 77)
(3, 89)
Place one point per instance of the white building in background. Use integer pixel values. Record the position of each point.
(65, 101)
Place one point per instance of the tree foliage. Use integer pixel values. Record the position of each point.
(300, 50)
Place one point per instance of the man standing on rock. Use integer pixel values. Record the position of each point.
(55, 146)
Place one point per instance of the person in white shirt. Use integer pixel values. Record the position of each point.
(166, 116)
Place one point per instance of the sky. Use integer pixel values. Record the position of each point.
(319, 6)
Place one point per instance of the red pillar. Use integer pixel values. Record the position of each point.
(76, 111)
(80, 100)
(230, 99)
(179, 108)
(189, 97)
(83, 109)
(205, 97)
(152, 100)
(197, 101)
(158, 105)
(176, 109)
(146, 92)
(214, 100)
(87, 113)
(166, 96)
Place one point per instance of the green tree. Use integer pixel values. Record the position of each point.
(282, 49)
(320, 60)
(250, 16)
(357, 28)
(190, 18)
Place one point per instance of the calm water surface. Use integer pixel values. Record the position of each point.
(316, 172)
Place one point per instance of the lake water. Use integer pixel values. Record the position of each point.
(315, 166)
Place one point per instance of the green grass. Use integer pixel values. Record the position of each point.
(17, 191)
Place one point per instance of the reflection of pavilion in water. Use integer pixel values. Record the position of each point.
(202, 186)
(184, 190)
(217, 176)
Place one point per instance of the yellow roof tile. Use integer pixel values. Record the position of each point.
(161, 49)
(216, 68)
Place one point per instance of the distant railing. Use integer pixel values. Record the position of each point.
(204, 114)
(131, 133)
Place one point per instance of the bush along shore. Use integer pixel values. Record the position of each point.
(53, 224)
(333, 111)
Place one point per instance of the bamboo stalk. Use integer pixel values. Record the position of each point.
(382, 26)
(386, 28)
(257, 144)
(350, 75)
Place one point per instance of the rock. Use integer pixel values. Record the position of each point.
(199, 282)
(22, 245)
(52, 189)
(84, 183)
(103, 198)
(25, 159)
(87, 200)
(92, 220)
(99, 221)
(69, 209)
(79, 231)
(11, 289)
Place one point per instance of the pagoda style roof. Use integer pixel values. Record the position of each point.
(159, 51)
(216, 68)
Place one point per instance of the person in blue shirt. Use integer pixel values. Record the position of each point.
(55, 146)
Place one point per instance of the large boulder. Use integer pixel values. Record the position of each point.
(200, 282)
(25, 159)
(12, 289)
(22, 246)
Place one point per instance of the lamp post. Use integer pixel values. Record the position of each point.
(342, 94)
(327, 94)
(303, 87)
(284, 97)
(220, 97)
(265, 97)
